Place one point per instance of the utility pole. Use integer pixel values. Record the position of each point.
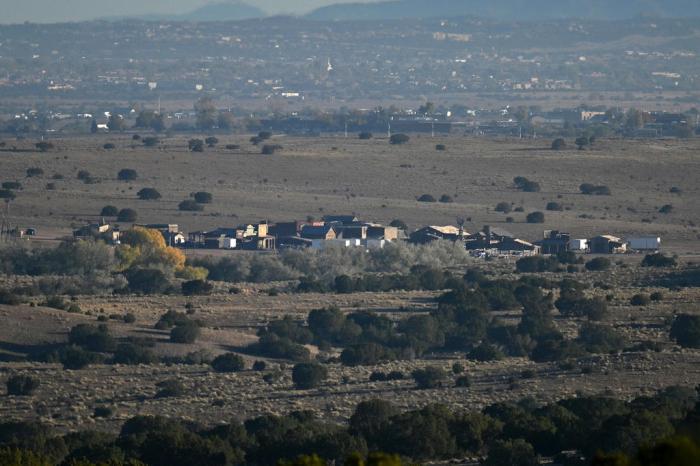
(346, 129)
(432, 128)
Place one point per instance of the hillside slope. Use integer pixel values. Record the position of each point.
(508, 9)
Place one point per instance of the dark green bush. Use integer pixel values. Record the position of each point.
(127, 215)
(397, 139)
(148, 194)
(308, 375)
(127, 174)
(170, 389)
(228, 362)
(133, 354)
(504, 207)
(640, 300)
(658, 260)
(109, 211)
(203, 197)
(426, 198)
(189, 205)
(598, 264)
(535, 217)
(185, 334)
(197, 287)
(685, 330)
(429, 377)
(21, 385)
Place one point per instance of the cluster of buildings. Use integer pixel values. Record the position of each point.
(348, 231)
(294, 60)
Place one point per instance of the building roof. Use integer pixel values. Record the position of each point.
(342, 219)
(316, 232)
(612, 238)
(445, 230)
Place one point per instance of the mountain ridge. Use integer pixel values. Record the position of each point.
(506, 9)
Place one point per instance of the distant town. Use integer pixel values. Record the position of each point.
(348, 231)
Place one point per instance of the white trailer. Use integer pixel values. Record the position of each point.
(579, 245)
(227, 243)
(644, 243)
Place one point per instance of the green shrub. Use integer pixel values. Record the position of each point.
(102, 412)
(127, 174)
(74, 357)
(132, 354)
(9, 298)
(197, 287)
(228, 362)
(598, 264)
(463, 381)
(535, 217)
(640, 300)
(127, 215)
(397, 139)
(92, 338)
(170, 389)
(559, 144)
(34, 172)
(109, 211)
(148, 194)
(147, 281)
(485, 352)
(21, 385)
(189, 205)
(308, 375)
(429, 377)
(203, 197)
(685, 330)
(590, 189)
(504, 207)
(658, 260)
(185, 334)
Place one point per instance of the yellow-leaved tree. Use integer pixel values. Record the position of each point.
(144, 247)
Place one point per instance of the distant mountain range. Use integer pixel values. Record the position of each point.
(224, 11)
(507, 9)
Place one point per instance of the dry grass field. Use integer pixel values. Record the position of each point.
(377, 181)
(66, 399)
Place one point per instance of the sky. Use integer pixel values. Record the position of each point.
(49, 11)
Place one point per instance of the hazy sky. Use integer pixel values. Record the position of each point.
(18, 11)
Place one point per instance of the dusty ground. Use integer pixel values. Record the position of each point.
(317, 176)
(66, 399)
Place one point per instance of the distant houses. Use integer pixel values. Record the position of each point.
(348, 231)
